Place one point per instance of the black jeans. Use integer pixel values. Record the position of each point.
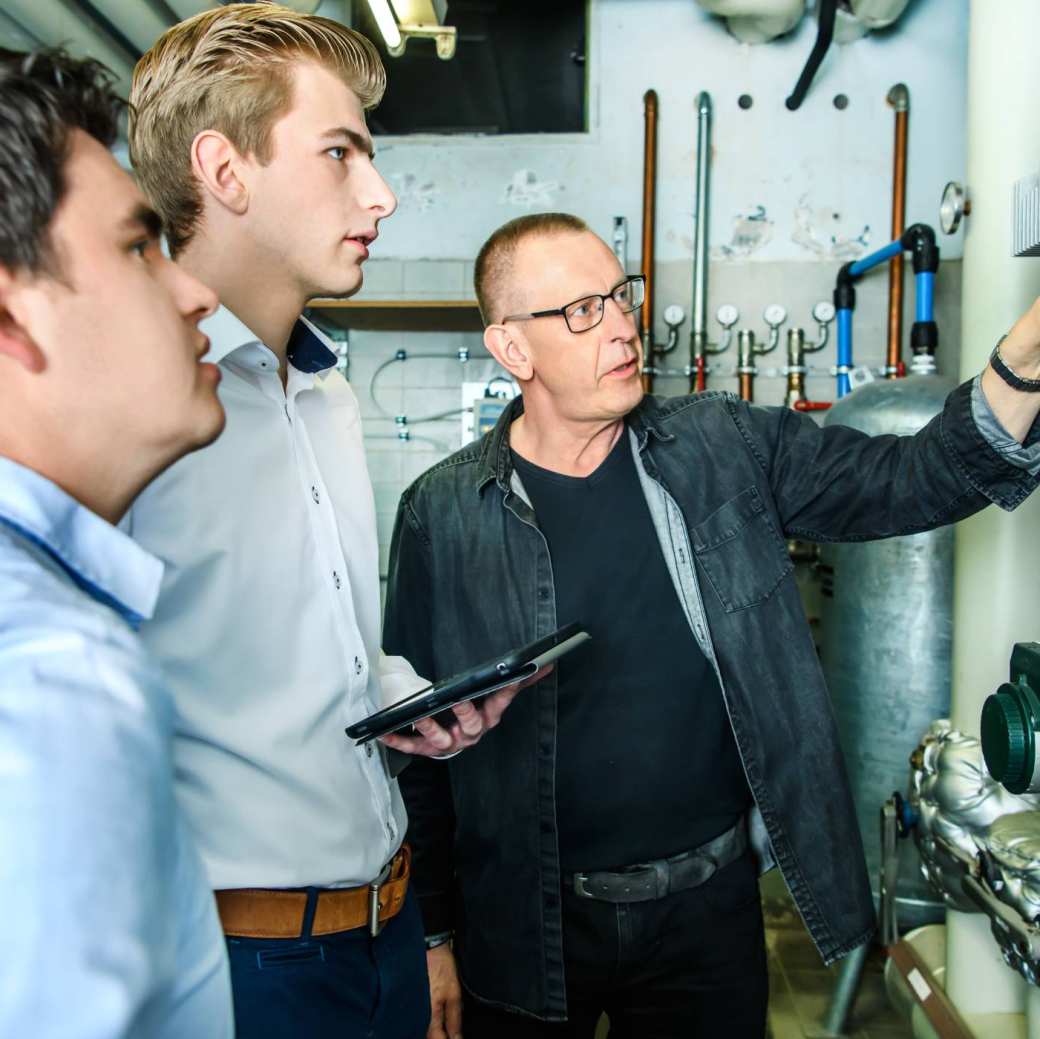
(347, 985)
(689, 966)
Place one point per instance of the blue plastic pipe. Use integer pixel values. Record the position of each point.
(924, 288)
(876, 259)
(844, 350)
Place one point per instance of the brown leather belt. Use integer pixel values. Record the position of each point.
(266, 913)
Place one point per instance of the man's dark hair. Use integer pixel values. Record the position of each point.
(43, 96)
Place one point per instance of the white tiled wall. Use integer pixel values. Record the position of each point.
(417, 387)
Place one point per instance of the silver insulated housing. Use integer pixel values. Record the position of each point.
(886, 636)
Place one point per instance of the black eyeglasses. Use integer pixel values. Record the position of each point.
(586, 313)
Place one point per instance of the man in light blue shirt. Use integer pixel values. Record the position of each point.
(110, 926)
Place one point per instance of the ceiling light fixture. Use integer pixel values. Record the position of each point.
(402, 19)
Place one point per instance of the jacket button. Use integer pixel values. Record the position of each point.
(543, 593)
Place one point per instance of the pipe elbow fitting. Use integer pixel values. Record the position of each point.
(919, 240)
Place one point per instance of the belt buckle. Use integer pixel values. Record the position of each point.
(579, 886)
(374, 889)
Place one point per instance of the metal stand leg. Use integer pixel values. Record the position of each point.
(844, 995)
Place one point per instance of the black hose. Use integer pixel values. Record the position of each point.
(824, 36)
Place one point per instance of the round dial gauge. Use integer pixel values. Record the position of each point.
(727, 315)
(774, 315)
(823, 312)
(953, 207)
(674, 315)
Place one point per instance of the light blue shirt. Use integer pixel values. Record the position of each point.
(109, 925)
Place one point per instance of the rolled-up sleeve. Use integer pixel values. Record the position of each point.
(1022, 456)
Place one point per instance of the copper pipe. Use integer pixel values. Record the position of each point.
(746, 364)
(646, 315)
(899, 99)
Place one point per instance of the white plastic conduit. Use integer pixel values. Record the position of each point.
(996, 594)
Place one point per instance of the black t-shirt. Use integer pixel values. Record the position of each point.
(646, 763)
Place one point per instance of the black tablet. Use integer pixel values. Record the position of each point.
(510, 667)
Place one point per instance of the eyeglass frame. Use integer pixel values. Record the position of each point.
(602, 297)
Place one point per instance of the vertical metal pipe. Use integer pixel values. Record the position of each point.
(795, 367)
(746, 364)
(899, 99)
(699, 326)
(646, 315)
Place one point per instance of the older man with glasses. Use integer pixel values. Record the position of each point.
(599, 851)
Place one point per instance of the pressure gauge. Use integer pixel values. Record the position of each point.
(774, 315)
(674, 315)
(955, 205)
(823, 312)
(727, 315)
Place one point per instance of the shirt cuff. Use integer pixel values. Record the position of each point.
(398, 679)
(1016, 454)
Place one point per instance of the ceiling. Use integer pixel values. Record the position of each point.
(518, 67)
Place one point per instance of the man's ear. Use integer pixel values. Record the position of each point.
(15, 341)
(510, 350)
(215, 161)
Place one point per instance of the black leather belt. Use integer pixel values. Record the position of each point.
(648, 881)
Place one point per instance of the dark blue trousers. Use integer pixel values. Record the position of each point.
(347, 985)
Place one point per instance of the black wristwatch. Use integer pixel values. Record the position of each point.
(1016, 382)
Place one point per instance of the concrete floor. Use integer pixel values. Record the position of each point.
(800, 986)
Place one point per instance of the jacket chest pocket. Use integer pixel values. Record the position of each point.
(741, 552)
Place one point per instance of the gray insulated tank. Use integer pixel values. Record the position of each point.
(887, 627)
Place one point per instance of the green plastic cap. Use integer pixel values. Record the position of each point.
(1008, 737)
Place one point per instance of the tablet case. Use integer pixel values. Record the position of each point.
(492, 675)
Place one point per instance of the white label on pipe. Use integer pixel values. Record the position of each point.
(920, 986)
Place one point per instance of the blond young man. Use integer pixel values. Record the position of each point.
(249, 137)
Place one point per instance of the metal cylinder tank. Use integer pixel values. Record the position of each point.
(886, 638)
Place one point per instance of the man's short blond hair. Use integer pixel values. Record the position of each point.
(230, 70)
(492, 273)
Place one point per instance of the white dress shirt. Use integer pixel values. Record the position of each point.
(268, 625)
(110, 928)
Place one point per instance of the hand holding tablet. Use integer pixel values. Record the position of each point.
(469, 703)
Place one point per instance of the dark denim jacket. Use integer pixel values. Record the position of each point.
(726, 483)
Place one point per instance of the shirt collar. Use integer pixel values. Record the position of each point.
(495, 462)
(310, 351)
(99, 558)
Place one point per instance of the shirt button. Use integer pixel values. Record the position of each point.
(335, 579)
(369, 749)
(314, 495)
(358, 666)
